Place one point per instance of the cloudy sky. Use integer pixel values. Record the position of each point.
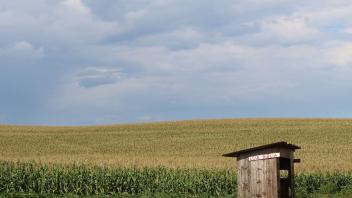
(79, 62)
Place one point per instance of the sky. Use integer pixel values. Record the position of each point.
(89, 62)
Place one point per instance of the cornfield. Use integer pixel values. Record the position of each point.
(83, 180)
(32, 178)
(181, 158)
(326, 143)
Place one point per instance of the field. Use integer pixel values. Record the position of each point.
(326, 143)
(78, 180)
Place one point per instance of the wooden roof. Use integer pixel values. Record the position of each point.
(267, 146)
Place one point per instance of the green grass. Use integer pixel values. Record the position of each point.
(326, 143)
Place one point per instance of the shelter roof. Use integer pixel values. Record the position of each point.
(267, 146)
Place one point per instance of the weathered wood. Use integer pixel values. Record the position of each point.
(258, 172)
(257, 178)
(292, 174)
(278, 178)
(272, 177)
(243, 177)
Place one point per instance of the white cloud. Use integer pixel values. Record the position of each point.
(339, 54)
(23, 45)
(76, 5)
(133, 16)
(92, 77)
(68, 24)
(330, 13)
(286, 30)
(174, 59)
(183, 37)
(196, 77)
(21, 50)
(347, 30)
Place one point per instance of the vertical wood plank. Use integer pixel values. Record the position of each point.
(240, 178)
(259, 181)
(292, 175)
(265, 178)
(268, 178)
(252, 185)
(248, 177)
(243, 176)
(275, 177)
(256, 179)
(278, 176)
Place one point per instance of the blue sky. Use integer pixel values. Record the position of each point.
(79, 62)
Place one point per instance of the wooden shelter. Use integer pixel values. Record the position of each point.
(266, 171)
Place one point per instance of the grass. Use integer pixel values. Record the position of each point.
(326, 143)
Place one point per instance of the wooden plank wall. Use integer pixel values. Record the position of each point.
(257, 178)
(243, 177)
